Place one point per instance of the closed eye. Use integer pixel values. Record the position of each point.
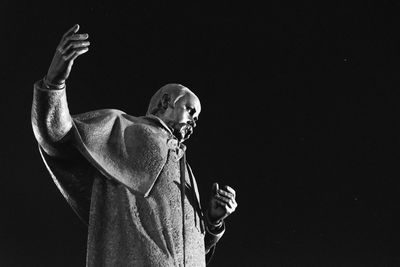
(191, 110)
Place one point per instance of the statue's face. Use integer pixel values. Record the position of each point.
(183, 116)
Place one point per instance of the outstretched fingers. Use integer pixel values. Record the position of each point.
(75, 53)
(71, 31)
(68, 34)
(73, 41)
(73, 44)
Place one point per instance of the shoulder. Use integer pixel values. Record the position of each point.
(108, 115)
(103, 119)
(101, 113)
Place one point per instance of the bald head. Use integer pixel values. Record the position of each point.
(178, 107)
(173, 92)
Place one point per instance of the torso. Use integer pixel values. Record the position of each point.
(126, 229)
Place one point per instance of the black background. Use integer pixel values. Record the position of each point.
(299, 114)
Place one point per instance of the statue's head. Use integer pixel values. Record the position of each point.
(178, 107)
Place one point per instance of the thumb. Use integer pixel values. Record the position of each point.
(215, 188)
(76, 28)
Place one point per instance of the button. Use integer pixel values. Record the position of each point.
(172, 144)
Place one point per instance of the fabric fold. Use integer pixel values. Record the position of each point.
(125, 148)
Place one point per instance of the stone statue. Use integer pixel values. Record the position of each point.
(127, 177)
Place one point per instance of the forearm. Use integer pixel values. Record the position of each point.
(213, 235)
(211, 238)
(51, 120)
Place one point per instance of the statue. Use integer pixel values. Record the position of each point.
(127, 177)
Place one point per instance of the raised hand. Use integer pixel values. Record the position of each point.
(71, 46)
(222, 203)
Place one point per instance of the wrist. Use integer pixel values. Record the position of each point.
(215, 228)
(213, 224)
(52, 85)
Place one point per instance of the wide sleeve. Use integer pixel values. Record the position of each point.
(51, 120)
(211, 239)
(52, 126)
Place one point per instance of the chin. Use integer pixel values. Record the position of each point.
(182, 132)
(179, 135)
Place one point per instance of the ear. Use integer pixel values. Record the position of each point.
(165, 101)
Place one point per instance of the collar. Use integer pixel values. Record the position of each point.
(168, 129)
(161, 122)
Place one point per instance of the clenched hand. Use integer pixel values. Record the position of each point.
(222, 203)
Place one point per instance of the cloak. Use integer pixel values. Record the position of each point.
(130, 150)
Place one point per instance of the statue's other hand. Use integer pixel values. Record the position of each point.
(71, 46)
(222, 203)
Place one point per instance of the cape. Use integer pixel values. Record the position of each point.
(130, 150)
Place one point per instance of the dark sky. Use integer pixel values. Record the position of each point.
(300, 115)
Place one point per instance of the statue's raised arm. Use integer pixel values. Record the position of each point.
(51, 120)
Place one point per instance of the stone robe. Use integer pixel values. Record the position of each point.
(122, 175)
